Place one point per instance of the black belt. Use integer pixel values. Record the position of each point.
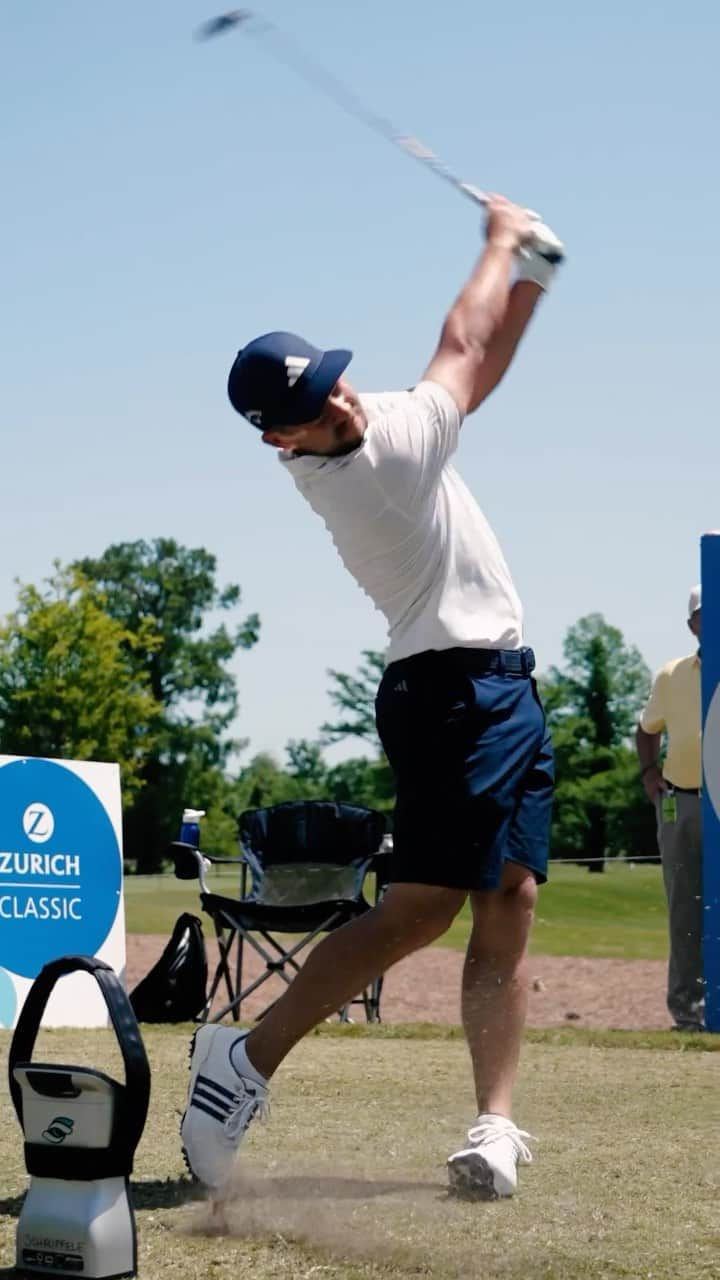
(687, 791)
(506, 662)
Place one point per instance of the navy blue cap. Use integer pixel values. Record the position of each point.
(280, 380)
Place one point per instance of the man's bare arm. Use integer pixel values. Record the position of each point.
(524, 297)
(484, 327)
(648, 750)
(476, 318)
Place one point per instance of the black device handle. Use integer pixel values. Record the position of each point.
(134, 1095)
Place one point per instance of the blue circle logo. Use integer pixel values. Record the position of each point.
(8, 999)
(60, 866)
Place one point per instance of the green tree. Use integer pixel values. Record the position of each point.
(592, 706)
(172, 590)
(360, 780)
(354, 697)
(605, 679)
(306, 764)
(263, 782)
(71, 684)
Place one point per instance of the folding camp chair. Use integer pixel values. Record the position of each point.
(303, 871)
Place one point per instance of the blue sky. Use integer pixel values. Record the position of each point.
(165, 201)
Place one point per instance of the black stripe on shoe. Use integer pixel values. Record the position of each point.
(218, 1088)
(205, 1095)
(200, 1105)
(213, 1098)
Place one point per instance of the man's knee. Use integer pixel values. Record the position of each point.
(503, 918)
(423, 912)
(518, 890)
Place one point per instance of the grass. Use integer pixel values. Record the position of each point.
(347, 1182)
(620, 913)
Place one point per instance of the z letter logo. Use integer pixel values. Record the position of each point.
(296, 366)
(38, 823)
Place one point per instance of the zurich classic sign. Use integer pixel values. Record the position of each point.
(60, 881)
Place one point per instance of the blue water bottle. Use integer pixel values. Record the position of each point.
(190, 827)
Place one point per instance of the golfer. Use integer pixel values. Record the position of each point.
(457, 709)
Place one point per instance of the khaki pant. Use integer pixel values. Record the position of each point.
(680, 845)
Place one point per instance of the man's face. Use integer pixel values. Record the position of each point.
(694, 623)
(339, 429)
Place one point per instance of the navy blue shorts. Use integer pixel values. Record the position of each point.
(473, 766)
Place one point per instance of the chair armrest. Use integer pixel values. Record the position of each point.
(188, 860)
(191, 863)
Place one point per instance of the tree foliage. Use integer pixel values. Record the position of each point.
(306, 763)
(170, 591)
(591, 707)
(72, 682)
(354, 697)
(605, 680)
(124, 657)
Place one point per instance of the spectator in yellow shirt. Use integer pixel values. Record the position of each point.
(674, 709)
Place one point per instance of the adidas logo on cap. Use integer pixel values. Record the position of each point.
(296, 366)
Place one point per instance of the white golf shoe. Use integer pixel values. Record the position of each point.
(486, 1168)
(222, 1101)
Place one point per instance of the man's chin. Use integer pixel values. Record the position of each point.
(346, 438)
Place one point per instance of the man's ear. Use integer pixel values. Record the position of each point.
(288, 438)
(279, 439)
(271, 438)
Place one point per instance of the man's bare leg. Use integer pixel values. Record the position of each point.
(410, 916)
(495, 986)
(229, 1072)
(494, 1005)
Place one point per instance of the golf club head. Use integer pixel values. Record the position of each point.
(224, 22)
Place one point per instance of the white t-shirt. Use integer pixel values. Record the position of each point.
(410, 531)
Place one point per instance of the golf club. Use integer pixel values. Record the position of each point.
(288, 52)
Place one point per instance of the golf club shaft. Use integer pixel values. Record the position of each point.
(288, 52)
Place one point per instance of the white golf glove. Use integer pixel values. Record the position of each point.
(540, 257)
